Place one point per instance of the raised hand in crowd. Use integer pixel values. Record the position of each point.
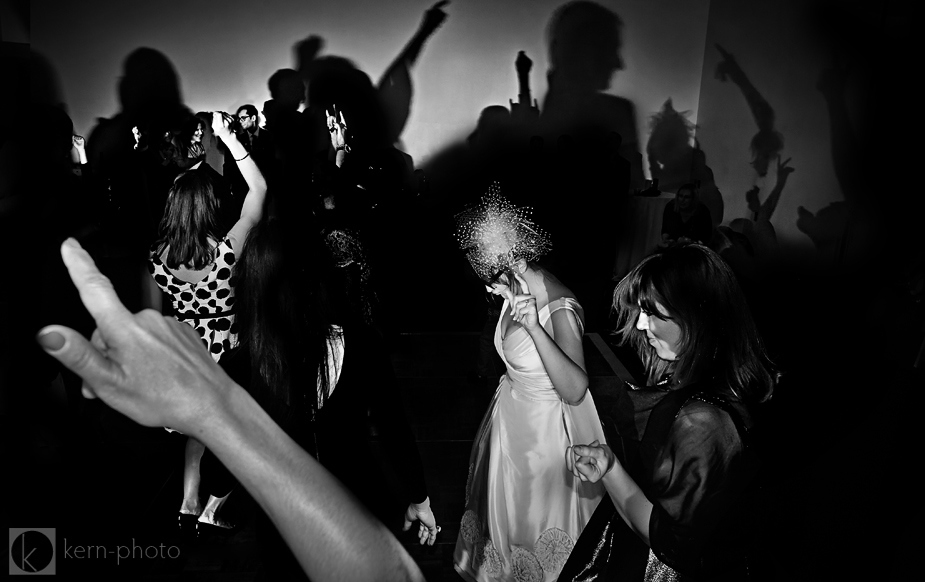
(338, 130)
(80, 148)
(222, 125)
(526, 108)
(728, 68)
(156, 371)
(433, 18)
(766, 210)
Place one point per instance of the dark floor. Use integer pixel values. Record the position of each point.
(104, 533)
(111, 488)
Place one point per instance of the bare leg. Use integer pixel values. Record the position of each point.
(212, 507)
(194, 450)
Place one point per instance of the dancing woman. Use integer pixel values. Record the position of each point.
(312, 362)
(524, 509)
(684, 494)
(192, 262)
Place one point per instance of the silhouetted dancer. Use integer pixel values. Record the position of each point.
(768, 142)
(584, 53)
(675, 158)
(395, 87)
(149, 95)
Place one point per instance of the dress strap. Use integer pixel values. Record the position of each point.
(569, 304)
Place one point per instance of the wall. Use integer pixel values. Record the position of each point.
(225, 51)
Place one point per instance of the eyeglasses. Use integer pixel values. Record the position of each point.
(243, 117)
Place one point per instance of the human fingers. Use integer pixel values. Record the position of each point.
(432, 534)
(217, 121)
(96, 291)
(343, 121)
(588, 471)
(440, 4)
(524, 305)
(96, 340)
(524, 288)
(78, 355)
(584, 450)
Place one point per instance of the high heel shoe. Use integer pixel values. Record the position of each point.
(218, 528)
(186, 522)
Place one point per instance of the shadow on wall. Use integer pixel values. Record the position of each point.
(573, 159)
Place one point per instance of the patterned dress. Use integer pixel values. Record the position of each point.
(206, 305)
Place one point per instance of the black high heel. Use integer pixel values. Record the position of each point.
(186, 522)
(210, 530)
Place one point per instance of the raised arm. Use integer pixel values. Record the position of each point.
(766, 210)
(563, 357)
(761, 110)
(252, 208)
(156, 371)
(395, 87)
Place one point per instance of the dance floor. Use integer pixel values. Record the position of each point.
(111, 488)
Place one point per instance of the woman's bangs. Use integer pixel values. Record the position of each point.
(644, 294)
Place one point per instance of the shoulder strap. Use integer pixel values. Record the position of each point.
(569, 304)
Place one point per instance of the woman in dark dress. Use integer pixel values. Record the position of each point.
(684, 493)
(323, 374)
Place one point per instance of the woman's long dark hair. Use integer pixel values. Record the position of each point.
(191, 219)
(190, 125)
(283, 319)
(719, 340)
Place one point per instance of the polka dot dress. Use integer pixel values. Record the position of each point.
(207, 305)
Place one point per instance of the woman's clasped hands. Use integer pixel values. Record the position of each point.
(590, 462)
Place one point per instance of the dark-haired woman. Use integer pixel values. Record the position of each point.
(192, 262)
(191, 151)
(312, 362)
(684, 494)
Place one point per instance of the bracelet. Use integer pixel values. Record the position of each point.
(244, 158)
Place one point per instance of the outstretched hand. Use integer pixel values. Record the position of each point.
(151, 368)
(590, 462)
(434, 17)
(523, 63)
(337, 128)
(783, 170)
(421, 512)
(728, 67)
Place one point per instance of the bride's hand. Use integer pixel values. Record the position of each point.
(523, 307)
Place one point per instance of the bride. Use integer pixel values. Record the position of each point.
(524, 508)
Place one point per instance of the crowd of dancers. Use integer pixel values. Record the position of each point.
(237, 281)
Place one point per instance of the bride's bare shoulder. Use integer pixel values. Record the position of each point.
(555, 289)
